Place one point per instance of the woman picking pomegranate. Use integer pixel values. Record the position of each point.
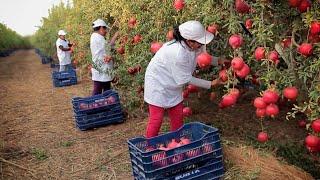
(102, 61)
(170, 69)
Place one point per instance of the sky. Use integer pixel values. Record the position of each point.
(24, 15)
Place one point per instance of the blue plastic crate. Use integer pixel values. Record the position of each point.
(65, 82)
(116, 118)
(205, 170)
(64, 74)
(97, 103)
(102, 111)
(156, 164)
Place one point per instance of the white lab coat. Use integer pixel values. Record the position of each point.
(168, 71)
(63, 56)
(98, 51)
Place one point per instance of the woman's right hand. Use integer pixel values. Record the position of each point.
(216, 82)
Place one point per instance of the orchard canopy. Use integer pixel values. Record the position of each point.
(9, 39)
(277, 41)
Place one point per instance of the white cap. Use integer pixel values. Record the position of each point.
(62, 33)
(99, 22)
(194, 30)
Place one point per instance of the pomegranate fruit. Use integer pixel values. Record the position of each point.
(305, 49)
(259, 53)
(187, 112)
(235, 41)
(223, 75)
(237, 63)
(227, 100)
(270, 96)
(315, 27)
(155, 46)
(192, 88)
(204, 59)
(316, 125)
(274, 56)
(234, 92)
(259, 103)
(260, 113)
(193, 153)
(179, 4)
(312, 141)
(249, 23)
(185, 94)
(272, 110)
(263, 137)
(244, 72)
(290, 93)
(159, 159)
(185, 141)
(213, 28)
(304, 6)
(172, 144)
(294, 3)
(242, 6)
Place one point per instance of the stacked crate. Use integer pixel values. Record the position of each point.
(96, 111)
(201, 158)
(64, 78)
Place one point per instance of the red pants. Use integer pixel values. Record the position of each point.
(156, 116)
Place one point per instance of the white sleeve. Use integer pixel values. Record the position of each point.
(58, 43)
(182, 69)
(200, 83)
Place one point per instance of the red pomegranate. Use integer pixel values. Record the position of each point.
(204, 59)
(249, 23)
(304, 6)
(235, 92)
(305, 49)
(179, 4)
(235, 41)
(223, 75)
(213, 28)
(242, 6)
(263, 137)
(185, 94)
(187, 111)
(274, 56)
(155, 46)
(294, 3)
(132, 22)
(270, 96)
(316, 125)
(137, 38)
(192, 88)
(227, 100)
(259, 53)
(243, 72)
(290, 93)
(312, 141)
(286, 42)
(272, 110)
(315, 27)
(237, 63)
(261, 113)
(259, 103)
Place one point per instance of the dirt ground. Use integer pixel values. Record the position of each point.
(38, 138)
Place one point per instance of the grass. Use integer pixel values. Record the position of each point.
(39, 154)
(66, 143)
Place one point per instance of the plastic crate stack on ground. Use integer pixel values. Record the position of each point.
(64, 78)
(192, 152)
(96, 111)
(44, 59)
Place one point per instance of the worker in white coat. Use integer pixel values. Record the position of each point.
(102, 62)
(63, 51)
(169, 70)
